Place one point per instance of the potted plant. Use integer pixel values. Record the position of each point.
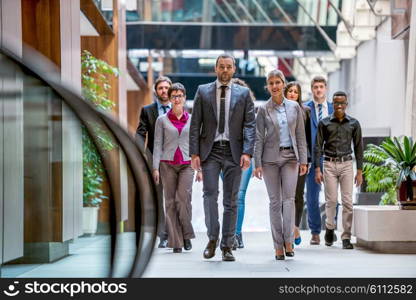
(394, 161)
(380, 174)
(95, 88)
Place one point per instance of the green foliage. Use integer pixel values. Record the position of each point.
(93, 172)
(402, 152)
(389, 197)
(95, 88)
(380, 174)
(95, 80)
(388, 165)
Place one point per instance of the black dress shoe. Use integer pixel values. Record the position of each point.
(177, 250)
(163, 243)
(330, 237)
(187, 245)
(346, 244)
(280, 257)
(239, 238)
(209, 251)
(227, 255)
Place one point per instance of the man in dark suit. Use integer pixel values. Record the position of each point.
(148, 117)
(222, 137)
(320, 108)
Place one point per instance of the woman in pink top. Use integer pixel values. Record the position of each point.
(171, 159)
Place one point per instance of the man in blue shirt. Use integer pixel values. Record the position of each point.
(320, 108)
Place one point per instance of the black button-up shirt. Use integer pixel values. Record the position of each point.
(334, 139)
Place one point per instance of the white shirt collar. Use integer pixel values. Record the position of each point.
(159, 105)
(219, 84)
(324, 104)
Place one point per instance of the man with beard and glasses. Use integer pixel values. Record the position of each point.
(148, 117)
(222, 137)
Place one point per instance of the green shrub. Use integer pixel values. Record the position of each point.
(95, 88)
(389, 165)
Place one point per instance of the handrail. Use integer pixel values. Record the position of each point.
(147, 206)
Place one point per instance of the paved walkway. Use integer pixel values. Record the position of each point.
(257, 260)
(89, 257)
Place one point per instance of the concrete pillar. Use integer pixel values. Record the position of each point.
(11, 136)
(410, 116)
(71, 127)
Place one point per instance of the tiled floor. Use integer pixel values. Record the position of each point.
(90, 256)
(257, 260)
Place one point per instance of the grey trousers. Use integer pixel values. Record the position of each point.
(220, 159)
(177, 188)
(162, 231)
(281, 178)
(339, 173)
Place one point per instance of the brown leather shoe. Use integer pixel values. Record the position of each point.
(209, 251)
(315, 240)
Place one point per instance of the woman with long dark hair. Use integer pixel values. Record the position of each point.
(293, 91)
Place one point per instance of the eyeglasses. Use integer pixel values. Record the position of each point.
(177, 97)
(340, 103)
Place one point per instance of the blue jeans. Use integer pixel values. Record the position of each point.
(241, 201)
(312, 202)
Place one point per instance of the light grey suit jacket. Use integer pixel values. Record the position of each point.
(241, 121)
(268, 133)
(167, 140)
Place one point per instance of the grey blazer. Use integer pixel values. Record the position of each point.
(167, 140)
(241, 122)
(268, 133)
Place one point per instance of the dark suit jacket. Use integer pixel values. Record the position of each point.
(241, 122)
(147, 123)
(307, 119)
(314, 122)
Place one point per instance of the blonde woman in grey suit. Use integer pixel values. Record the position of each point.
(280, 155)
(171, 157)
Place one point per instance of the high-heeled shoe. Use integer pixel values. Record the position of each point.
(289, 253)
(279, 256)
(298, 240)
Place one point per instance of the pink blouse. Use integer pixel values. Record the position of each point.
(179, 124)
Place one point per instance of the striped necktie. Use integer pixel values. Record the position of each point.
(319, 112)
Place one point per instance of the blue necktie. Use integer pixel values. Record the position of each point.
(319, 112)
(165, 108)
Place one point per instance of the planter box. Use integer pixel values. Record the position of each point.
(402, 196)
(89, 220)
(386, 229)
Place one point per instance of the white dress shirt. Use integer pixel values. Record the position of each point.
(324, 109)
(225, 135)
(160, 109)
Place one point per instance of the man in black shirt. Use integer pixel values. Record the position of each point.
(333, 141)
